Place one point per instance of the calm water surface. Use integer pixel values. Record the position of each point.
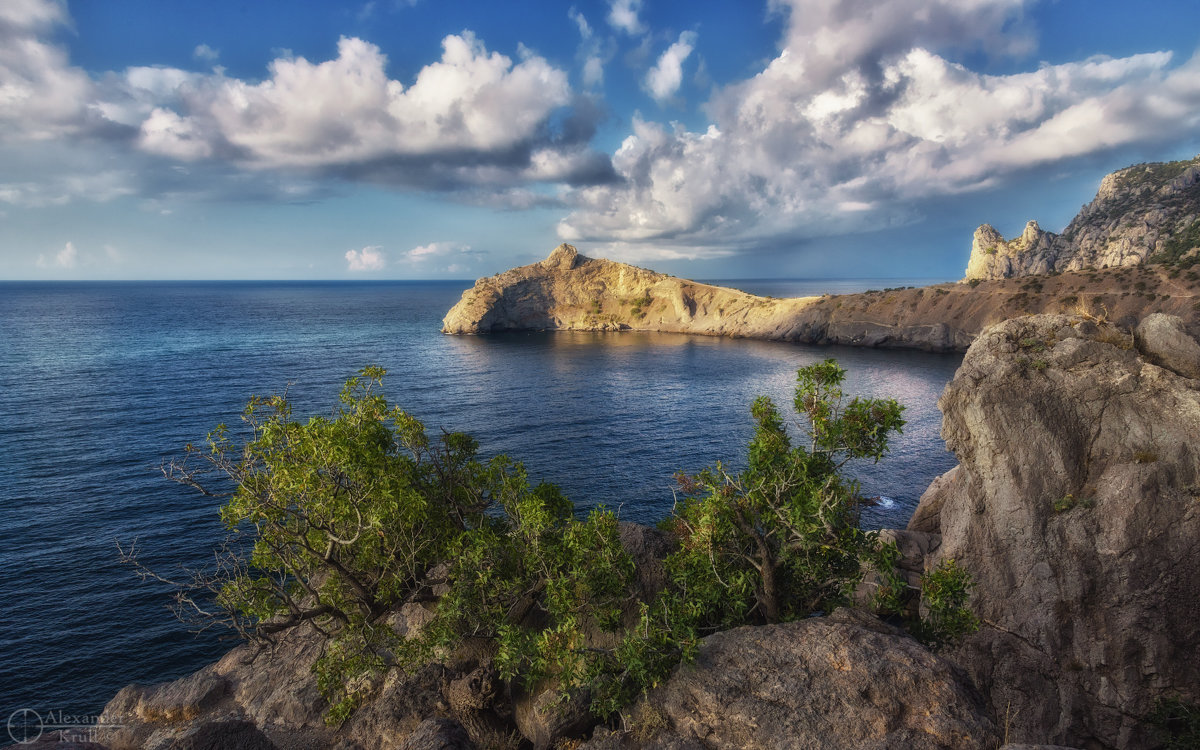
(99, 382)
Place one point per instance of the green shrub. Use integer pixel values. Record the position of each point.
(944, 593)
(1064, 503)
(337, 521)
(1177, 723)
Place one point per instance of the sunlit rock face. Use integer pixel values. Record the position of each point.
(1138, 212)
(569, 291)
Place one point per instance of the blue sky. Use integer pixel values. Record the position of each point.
(415, 139)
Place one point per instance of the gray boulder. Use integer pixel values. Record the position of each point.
(1076, 507)
(1163, 340)
(438, 734)
(843, 681)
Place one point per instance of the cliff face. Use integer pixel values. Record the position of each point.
(1139, 212)
(1076, 507)
(568, 291)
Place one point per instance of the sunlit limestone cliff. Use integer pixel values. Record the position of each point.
(1147, 212)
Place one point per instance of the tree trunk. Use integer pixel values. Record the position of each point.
(769, 596)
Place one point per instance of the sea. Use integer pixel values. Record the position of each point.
(100, 383)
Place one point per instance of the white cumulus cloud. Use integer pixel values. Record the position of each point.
(41, 95)
(347, 110)
(623, 16)
(207, 54)
(368, 259)
(863, 112)
(67, 258)
(663, 80)
(470, 120)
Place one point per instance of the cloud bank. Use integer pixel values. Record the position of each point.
(859, 115)
(865, 111)
(473, 120)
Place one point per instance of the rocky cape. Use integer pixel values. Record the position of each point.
(1075, 506)
(1141, 213)
(569, 291)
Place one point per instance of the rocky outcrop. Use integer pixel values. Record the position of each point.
(1076, 507)
(1034, 252)
(1143, 211)
(569, 291)
(843, 681)
(269, 696)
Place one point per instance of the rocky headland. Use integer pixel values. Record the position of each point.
(1075, 506)
(1132, 252)
(569, 291)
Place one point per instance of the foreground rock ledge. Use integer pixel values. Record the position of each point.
(843, 681)
(569, 291)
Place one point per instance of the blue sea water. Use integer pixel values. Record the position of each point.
(100, 382)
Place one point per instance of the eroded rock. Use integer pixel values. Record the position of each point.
(1076, 507)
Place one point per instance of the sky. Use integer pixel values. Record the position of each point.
(423, 139)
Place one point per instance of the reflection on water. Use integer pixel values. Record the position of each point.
(612, 416)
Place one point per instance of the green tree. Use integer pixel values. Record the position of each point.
(781, 540)
(334, 522)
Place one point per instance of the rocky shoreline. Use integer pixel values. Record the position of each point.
(1075, 505)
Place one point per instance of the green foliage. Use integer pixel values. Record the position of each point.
(944, 593)
(780, 540)
(1177, 723)
(1064, 503)
(338, 521)
(890, 597)
(1178, 245)
(638, 310)
(538, 583)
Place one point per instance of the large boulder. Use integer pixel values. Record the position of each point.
(1076, 507)
(843, 681)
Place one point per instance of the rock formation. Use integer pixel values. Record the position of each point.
(843, 681)
(1076, 506)
(1139, 212)
(569, 291)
